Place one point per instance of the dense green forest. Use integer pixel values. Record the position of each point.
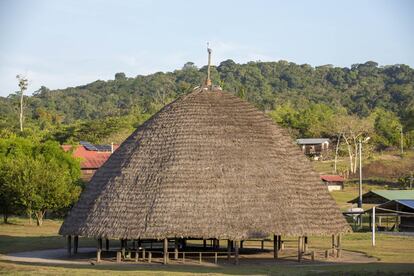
(308, 100)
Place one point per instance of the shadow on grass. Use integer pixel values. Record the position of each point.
(10, 244)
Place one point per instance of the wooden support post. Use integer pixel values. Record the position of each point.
(333, 245)
(143, 254)
(338, 244)
(123, 248)
(215, 257)
(313, 255)
(279, 241)
(107, 244)
(165, 251)
(275, 249)
(300, 249)
(98, 255)
(149, 257)
(118, 256)
(176, 246)
(183, 257)
(326, 254)
(262, 241)
(137, 255)
(217, 243)
(241, 244)
(69, 245)
(305, 244)
(228, 249)
(204, 243)
(100, 243)
(200, 255)
(75, 244)
(236, 252)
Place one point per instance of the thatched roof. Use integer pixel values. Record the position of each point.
(207, 165)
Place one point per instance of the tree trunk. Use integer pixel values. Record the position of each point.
(29, 214)
(351, 163)
(39, 217)
(21, 110)
(350, 152)
(356, 156)
(5, 217)
(336, 151)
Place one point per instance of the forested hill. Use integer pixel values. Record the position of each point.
(358, 90)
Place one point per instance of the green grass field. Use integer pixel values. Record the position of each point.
(396, 254)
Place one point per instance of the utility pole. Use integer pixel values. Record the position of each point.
(373, 226)
(360, 174)
(402, 141)
(360, 169)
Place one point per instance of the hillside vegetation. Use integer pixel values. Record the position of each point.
(300, 97)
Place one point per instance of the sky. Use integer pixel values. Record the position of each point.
(65, 43)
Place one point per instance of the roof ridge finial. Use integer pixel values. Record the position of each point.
(208, 80)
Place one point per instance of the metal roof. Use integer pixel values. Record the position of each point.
(388, 195)
(311, 141)
(90, 159)
(395, 194)
(407, 202)
(332, 178)
(391, 206)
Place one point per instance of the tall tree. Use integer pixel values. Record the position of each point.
(353, 128)
(23, 83)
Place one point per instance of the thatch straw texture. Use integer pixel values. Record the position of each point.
(208, 165)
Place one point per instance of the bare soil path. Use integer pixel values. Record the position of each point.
(86, 257)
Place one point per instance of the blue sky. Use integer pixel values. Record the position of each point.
(67, 43)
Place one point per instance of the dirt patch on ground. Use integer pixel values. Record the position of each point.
(87, 256)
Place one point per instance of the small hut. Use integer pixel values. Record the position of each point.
(208, 166)
(333, 182)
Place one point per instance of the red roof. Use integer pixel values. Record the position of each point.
(90, 159)
(332, 178)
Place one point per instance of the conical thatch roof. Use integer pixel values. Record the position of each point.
(207, 165)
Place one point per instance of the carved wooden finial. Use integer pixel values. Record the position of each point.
(208, 80)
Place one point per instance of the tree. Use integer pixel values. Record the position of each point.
(120, 76)
(352, 128)
(387, 128)
(8, 190)
(23, 83)
(189, 66)
(50, 187)
(39, 176)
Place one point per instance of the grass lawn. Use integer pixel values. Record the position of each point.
(396, 254)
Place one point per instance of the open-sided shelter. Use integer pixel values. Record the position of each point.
(210, 166)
